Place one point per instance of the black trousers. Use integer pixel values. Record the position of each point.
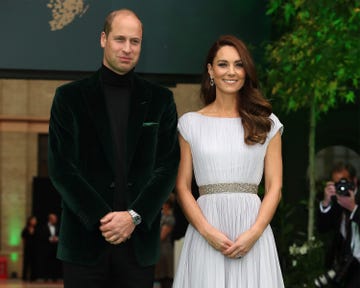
(30, 265)
(52, 269)
(353, 279)
(117, 268)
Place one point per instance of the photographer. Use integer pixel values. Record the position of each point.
(339, 213)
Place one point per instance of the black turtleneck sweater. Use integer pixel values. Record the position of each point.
(117, 91)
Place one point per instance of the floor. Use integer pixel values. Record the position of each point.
(21, 284)
(38, 284)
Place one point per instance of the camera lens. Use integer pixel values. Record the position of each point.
(342, 187)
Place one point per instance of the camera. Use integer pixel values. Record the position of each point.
(343, 186)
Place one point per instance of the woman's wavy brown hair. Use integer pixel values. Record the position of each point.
(253, 108)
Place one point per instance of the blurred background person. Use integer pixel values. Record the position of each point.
(164, 270)
(30, 253)
(49, 235)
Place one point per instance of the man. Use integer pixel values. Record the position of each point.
(113, 157)
(339, 212)
(49, 239)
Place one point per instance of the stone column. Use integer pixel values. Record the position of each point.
(16, 170)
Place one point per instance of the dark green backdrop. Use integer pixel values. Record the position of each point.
(177, 34)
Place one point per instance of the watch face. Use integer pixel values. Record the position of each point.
(137, 219)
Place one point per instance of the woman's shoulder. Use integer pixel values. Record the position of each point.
(276, 125)
(273, 117)
(187, 125)
(275, 120)
(189, 116)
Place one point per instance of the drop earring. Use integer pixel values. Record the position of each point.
(212, 81)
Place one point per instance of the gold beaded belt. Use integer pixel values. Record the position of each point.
(228, 188)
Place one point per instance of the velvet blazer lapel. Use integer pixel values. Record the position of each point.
(139, 106)
(140, 99)
(94, 96)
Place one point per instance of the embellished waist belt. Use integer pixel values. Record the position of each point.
(228, 188)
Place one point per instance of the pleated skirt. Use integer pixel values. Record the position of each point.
(201, 266)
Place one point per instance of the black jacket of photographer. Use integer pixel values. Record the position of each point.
(330, 221)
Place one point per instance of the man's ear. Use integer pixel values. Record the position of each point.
(103, 39)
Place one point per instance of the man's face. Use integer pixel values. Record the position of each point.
(52, 219)
(336, 176)
(122, 45)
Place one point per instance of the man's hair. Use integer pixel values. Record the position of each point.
(110, 17)
(341, 166)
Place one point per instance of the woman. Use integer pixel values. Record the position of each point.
(164, 270)
(229, 143)
(30, 243)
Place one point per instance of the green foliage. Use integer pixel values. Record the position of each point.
(301, 260)
(314, 63)
(306, 263)
(318, 56)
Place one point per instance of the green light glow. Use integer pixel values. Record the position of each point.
(14, 257)
(14, 231)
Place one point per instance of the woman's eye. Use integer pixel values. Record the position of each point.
(222, 65)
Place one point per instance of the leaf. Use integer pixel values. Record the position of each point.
(350, 97)
(292, 105)
(288, 68)
(276, 88)
(289, 11)
(273, 6)
(318, 58)
(341, 72)
(355, 82)
(332, 87)
(337, 22)
(298, 3)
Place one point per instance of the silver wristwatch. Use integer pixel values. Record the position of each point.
(136, 218)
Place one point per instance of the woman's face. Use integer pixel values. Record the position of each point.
(227, 71)
(33, 221)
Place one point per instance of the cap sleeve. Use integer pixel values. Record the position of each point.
(275, 126)
(183, 127)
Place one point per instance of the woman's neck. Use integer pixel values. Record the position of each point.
(224, 105)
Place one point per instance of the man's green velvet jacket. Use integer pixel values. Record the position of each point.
(81, 165)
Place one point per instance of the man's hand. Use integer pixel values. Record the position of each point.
(329, 191)
(54, 239)
(117, 227)
(347, 202)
